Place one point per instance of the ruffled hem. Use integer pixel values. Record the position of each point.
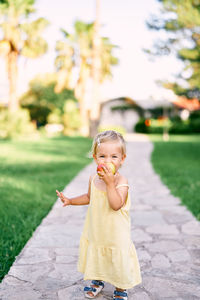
(117, 266)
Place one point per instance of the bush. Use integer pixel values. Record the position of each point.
(42, 101)
(15, 124)
(71, 117)
(174, 125)
(141, 126)
(194, 121)
(180, 127)
(195, 125)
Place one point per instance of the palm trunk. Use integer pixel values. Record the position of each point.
(13, 104)
(80, 95)
(96, 69)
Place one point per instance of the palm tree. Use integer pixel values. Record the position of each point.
(96, 72)
(64, 63)
(102, 60)
(83, 37)
(77, 51)
(19, 38)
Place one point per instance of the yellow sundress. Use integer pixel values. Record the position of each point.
(106, 251)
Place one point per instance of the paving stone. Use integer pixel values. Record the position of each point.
(138, 236)
(161, 201)
(163, 246)
(192, 242)
(139, 296)
(195, 256)
(192, 227)
(66, 251)
(33, 256)
(164, 229)
(160, 261)
(143, 207)
(177, 209)
(161, 288)
(59, 240)
(179, 255)
(174, 218)
(76, 292)
(143, 255)
(19, 293)
(147, 218)
(30, 272)
(13, 281)
(66, 259)
(65, 272)
(48, 285)
(178, 272)
(175, 237)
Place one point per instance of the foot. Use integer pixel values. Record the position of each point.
(120, 294)
(94, 289)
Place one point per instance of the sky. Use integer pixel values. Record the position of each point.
(123, 22)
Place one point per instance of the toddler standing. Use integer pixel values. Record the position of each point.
(107, 252)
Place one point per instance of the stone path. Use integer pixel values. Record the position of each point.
(166, 236)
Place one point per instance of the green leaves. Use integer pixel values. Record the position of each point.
(181, 21)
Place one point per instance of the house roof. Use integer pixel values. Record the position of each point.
(190, 104)
(144, 104)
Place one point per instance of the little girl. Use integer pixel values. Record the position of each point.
(106, 251)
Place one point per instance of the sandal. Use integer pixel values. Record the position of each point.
(94, 290)
(121, 294)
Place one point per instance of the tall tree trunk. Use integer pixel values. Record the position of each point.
(80, 95)
(13, 104)
(96, 69)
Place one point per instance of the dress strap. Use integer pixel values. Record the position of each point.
(123, 184)
(93, 178)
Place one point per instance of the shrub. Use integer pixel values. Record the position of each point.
(15, 124)
(194, 121)
(180, 127)
(141, 126)
(175, 125)
(71, 117)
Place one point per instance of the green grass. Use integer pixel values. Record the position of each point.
(30, 172)
(178, 164)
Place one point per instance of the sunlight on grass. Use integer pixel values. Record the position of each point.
(177, 162)
(30, 172)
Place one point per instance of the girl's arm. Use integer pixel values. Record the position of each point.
(79, 200)
(116, 197)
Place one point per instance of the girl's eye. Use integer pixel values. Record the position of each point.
(101, 156)
(114, 156)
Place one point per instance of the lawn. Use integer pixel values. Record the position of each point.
(178, 164)
(30, 172)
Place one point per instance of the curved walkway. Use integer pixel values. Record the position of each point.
(166, 236)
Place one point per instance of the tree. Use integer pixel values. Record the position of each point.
(96, 71)
(76, 51)
(181, 21)
(20, 38)
(41, 100)
(64, 64)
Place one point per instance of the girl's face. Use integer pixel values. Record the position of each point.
(110, 152)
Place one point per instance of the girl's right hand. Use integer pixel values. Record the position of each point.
(64, 199)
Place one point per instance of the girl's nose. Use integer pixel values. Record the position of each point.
(108, 161)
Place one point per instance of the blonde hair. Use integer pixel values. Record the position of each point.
(105, 136)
